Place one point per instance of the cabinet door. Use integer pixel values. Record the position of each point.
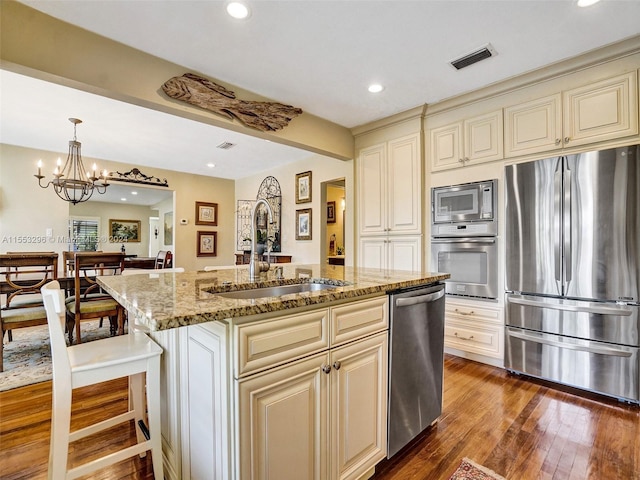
(372, 190)
(205, 447)
(534, 126)
(445, 147)
(405, 253)
(404, 185)
(373, 252)
(358, 407)
(283, 422)
(601, 111)
(483, 138)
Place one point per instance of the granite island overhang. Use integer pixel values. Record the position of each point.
(162, 301)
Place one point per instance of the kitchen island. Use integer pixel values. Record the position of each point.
(266, 383)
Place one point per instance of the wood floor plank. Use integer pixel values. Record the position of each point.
(522, 429)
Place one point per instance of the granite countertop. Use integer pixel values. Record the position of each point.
(162, 301)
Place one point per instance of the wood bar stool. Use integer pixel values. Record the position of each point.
(132, 355)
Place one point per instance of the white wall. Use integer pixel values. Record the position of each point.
(117, 211)
(26, 210)
(323, 169)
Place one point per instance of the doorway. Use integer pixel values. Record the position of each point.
(333, 194)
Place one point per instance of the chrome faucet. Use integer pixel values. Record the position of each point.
(256, 266)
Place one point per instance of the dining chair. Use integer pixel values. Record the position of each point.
(88, 300)
(135, 356)
(22, 276)
(164, 259)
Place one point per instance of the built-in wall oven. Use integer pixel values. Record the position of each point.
(464, 238)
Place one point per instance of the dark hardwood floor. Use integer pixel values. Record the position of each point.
(519, 428)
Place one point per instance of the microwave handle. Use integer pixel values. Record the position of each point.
(464, 240)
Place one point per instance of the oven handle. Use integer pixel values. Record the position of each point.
(569, 346)
(430, 297)
(601, 310)
(464, 240)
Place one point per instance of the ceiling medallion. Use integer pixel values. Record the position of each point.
(201, 92)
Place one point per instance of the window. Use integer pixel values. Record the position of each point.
(83, 234)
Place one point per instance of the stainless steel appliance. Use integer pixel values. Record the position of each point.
(464, 210)
(416, 359)
(573, 270)
(464, 244)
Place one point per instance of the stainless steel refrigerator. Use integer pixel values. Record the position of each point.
(573, 270)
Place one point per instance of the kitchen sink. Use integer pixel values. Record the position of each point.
(276, 291)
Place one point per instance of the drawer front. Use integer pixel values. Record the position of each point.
(476, 311)
(359, 319)
(481, 338)
(268, 343)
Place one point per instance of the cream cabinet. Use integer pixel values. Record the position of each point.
(592, 113)
(390, 187)
(391, 252)
(321, 416)
(474, 327)
(470, 141)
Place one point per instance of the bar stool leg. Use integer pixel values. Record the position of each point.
(60, 428)
(137, 404)
(153, 409)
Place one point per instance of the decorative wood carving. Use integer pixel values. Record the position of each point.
(197, 90)
(136, 176)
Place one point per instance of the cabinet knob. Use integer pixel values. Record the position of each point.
(466, 159)
(558, 141)
(461, 160)
(326, 369)
(566, 139)
(337, 365)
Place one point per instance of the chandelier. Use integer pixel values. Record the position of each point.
(72, 182)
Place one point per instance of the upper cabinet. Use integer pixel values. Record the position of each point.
(389, 187)
(469, 141)
(596, 112)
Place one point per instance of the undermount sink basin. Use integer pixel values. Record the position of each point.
(277, 290)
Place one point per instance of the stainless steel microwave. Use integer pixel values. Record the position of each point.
(462, 204)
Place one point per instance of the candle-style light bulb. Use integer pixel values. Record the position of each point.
(39, 168)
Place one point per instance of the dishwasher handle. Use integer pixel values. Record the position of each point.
(430, 297)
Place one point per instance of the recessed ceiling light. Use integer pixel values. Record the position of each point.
(375, 88)
(586, 3)
(123, 199)
(134, 193)
(211, 165)
(237, 10)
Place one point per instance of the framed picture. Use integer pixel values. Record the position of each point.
(124, 230)
(331, 212)
(303, 187)
(207, 244)
(303, 224)
(168, 228)
(207, 214)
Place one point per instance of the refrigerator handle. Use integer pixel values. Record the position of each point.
(566, 225)
(599, 350)
(557, 257)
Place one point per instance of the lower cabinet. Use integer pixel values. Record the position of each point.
(476, 328)
(323, 417)
(248, 411)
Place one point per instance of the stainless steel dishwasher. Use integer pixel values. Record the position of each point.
(416, 358)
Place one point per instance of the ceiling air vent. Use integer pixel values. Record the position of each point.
(474, 57)
(226, 145)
